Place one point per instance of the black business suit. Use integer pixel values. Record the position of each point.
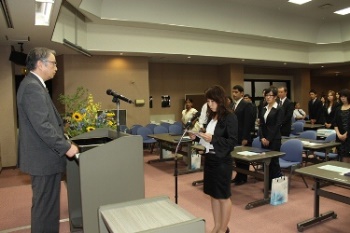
(41, 152)
(315, 111)
(288, 108)
(329, 117)
(218, 164)
(244, 113)
(270, 129)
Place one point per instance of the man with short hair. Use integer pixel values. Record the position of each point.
(246, 121)
(42, 146)
(315, 108)
(288, 108)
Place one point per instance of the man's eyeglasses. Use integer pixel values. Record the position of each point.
(52, 62)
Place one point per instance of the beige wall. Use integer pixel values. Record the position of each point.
(8, 123)
(127, 76)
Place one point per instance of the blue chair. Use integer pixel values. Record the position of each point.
(297, 128)
(293, 158)
(160, 129)
(165, 124)
(175, 130)
(256, 143)
(179, 123)
(322, 155)
(151, 126)
(144, 132)
(308, 134)
(134, 129)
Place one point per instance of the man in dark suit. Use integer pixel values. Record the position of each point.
(42, 146)
(288, 108)
(244, 112)
(315, 108)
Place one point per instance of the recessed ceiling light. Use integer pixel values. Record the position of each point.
(299, 2)
(188, 57)
(120, 53)
(43, 10)
(344, 11)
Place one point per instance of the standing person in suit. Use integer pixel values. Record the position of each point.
(329, 109)
(288, 108)
(262, 103)
(315, 108)
(42, 145)
(342, 125)
(269, 130)
(219, 140)
(244, 112)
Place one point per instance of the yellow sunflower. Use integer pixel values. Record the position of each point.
(110, 123)
(110, 114)
(90, 128)
(77, 116)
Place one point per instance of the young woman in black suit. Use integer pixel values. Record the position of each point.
(329, 109)
(269, 129)
(219, 140)
(342, 126)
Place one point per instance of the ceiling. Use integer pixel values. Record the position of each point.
(22, 15)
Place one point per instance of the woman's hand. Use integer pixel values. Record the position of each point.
(265, 142)
(192, 136)
(206, 136)
(342, 137)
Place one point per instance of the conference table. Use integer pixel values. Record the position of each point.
(251, 155)
(309, 126)
(332, 172)
(169, 142)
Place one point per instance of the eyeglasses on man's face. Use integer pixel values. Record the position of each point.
(52, 62)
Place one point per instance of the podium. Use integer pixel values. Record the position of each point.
(109, 170)
(156, 215)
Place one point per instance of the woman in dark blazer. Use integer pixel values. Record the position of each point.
(219, 140)
(329, 109)
(269, 129)
(342, 126)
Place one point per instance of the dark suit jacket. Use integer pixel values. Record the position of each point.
(329, 117)
(42, 145)
(270, 129)
(225, 136)
(288, 108)
(315, 111)
(244, 113)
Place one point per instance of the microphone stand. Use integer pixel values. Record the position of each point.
(176, 171)
(117, 101)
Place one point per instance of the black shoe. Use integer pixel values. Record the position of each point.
(239, 182)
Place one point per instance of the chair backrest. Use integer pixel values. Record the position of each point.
(160, 129)
(256, 142)
(175, 129)
(293, 149)
(330, 138)
(144, 132)
(308, 134)
(297, 127)
(134, 129)
(151, 126)
(165, 124)
(179, 123)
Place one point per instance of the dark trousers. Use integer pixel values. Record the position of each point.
(45, 214)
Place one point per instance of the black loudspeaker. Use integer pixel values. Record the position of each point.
(18, 58)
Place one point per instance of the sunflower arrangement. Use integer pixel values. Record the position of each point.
(83, 114)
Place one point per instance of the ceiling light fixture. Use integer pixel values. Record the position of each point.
(344, 11)
(76, 48)
(43, 9)
(299, 2)
(6, 13)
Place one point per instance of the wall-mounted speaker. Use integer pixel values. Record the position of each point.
(18, 58)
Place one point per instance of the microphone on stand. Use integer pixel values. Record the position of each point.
(190, 123)
(116, 95)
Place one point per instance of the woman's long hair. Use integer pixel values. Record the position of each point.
(217, 94)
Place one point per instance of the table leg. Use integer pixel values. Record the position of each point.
(266, 199)
(317, 216)
(161, 156)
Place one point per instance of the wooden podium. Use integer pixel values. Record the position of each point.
(109, 170)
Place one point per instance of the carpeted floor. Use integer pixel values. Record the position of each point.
(15, 202)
